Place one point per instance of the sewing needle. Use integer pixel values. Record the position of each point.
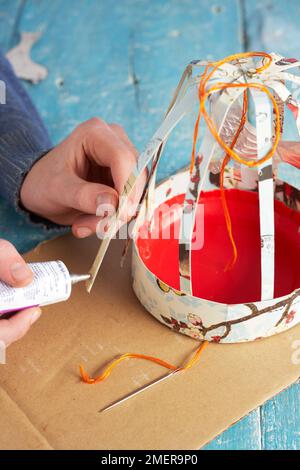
(139, 390)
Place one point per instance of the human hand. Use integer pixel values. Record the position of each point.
(84, 175)
(15, 272)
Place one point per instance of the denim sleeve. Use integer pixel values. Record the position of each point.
(23, 137)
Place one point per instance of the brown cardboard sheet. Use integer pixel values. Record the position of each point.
(44, 404)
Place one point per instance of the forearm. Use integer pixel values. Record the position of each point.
(23, 137)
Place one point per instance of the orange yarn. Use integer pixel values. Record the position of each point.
(229, 152)
(223, 196)
(87, 379)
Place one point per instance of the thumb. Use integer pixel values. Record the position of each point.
(86, 197)
(13, 269)
(17, 326)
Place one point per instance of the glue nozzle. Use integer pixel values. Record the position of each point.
(75, 278)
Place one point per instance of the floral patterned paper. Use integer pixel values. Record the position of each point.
(203, 319)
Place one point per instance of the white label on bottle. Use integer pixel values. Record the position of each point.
(51, 284)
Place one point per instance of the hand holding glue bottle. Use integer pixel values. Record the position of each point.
(24, 288)
(87, 172)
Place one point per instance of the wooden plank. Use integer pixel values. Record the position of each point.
(88, 76)
(165, 37)
(273, 26)
(10, 13)
(12, 226)
(280, 420)
(121, 60)
(244, 435)
(85, 47)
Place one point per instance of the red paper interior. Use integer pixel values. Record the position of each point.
(210, 280)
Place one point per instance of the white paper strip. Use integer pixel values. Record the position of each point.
(263, 115)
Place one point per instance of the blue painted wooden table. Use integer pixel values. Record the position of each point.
(121, 59)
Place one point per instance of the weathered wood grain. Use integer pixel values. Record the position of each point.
(243, 435)
(273, 26)
(121, 60)
(10, 14)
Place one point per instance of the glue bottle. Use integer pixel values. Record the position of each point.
(52, 283)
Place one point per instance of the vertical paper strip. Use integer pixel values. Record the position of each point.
(263, 114)
(177, 112)
(220, 109)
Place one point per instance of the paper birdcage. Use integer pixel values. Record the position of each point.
(228, 270)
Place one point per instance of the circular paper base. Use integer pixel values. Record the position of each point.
(209, 279)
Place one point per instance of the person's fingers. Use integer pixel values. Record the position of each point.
(121, 133)
(140, 184)
(17, 326)
(109, 147)
(13, 269)
(86, 197)
(138, 191)
(87, 225)
(105, 147)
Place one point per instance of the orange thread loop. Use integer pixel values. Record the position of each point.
(229, 153)
(87, 379)
(229, 150)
